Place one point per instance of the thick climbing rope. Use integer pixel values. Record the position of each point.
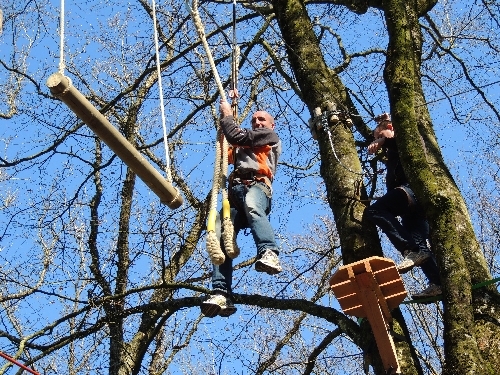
(160, 89)
(213, 246)
(234, 65)
(228, 235)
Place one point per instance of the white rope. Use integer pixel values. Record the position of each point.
(62, 66)
(160, 89)
(1, 21)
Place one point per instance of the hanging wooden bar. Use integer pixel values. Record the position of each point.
(61, 87)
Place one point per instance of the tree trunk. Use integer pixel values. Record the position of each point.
(340, 166)
(459, 256)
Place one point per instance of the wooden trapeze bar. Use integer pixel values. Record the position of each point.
(61, 87)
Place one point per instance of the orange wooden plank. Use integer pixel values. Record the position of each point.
(391, 290)
(378, 323)
(343, 289)
(366, 282)
(378, 263)
(386, 274)
(358, 311)
(392, 287)
(339, 276)
(371, 288)
(396, 299)
(348, 302)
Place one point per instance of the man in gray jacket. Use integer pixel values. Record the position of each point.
(254, 154)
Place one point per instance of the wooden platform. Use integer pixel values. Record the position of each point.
(370, 289)
(390, 292)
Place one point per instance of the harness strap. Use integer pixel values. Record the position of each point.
(248, 178)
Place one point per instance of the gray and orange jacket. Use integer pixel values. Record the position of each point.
(253, 151)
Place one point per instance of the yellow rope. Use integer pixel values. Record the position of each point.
(213, 246)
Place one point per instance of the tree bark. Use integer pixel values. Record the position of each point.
(342, 175)
(459, 255)
(340, 165)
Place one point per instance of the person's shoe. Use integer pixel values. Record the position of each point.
(413, 259)
(268, 263)
(228, 310)
(431, 291)
(218, 304)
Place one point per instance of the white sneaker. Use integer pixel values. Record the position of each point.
(431, 291)
(218, 304)
(268, 263)
(413, 259)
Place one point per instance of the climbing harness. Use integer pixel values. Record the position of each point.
(61, 87)
(220, 177)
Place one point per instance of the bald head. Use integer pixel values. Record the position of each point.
(262, 119)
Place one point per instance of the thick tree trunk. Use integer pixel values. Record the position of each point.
(459, 255)
(342, 176)
(340, 168)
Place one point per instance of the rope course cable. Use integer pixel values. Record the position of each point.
(19, 364)
(62, 65)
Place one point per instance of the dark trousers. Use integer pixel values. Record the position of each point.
(411, 233)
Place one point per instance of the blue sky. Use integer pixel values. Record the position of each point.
(106, 64)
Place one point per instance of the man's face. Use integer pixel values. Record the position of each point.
(262, 119)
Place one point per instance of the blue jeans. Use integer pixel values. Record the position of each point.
(250, 205)
(409, 234)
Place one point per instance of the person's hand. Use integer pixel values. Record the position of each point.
(375, 145)
(225, 108)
